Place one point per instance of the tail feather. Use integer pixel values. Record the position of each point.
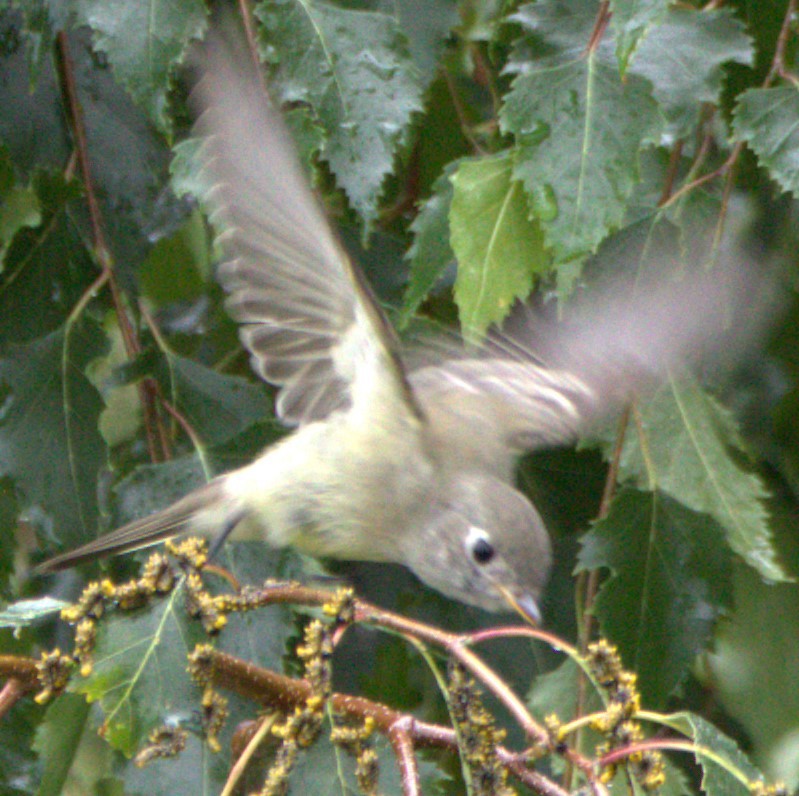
(182, 516)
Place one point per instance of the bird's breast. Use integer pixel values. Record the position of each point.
(337, 489)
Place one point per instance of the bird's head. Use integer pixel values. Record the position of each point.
(483, 543)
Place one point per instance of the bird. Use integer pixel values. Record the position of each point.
(389, 460)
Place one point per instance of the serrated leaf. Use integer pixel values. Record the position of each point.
(577, 160)
(768, 120)
(690, 441)
(670, 580)
(49, 439)
(354, 69)
(427, 24)
(139, 675)
(725, 768)
(630, 21)
(144, 43)
(431, 253)
(684, 58)
(499, 249)
(556, 33)
(128, 157)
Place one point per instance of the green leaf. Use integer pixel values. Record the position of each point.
(32, 122)
(725, 768)
(49, 439)
(556, 32)
(578, 163)
(217, 406)
(19, 206)
(750, 668)
(20, 771)
(144, 43)
(187, 176)
(47, 267)
(194, 770)
(431, 253)
(684, 58)
(692, 451)
(480, 19)
(139, 676)
(354, 69)
(630, 21)
(129, 159)
(178, 267)
(499, 249)
(557, 691)
(152, 487)
(768, 120)
(427, 24)
(670, 580)
(57, 741)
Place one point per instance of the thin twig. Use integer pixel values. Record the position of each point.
(400, 735)
(238, 768)
(13, 690)
(101, 250)
(602, 18)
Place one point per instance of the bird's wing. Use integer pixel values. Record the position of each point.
(307, 317)
(546, 383)
(528, 405)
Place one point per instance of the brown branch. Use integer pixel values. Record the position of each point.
(671, 172)
(11, 693)
(457, 645)
(538, 782)
(602, 18)
(400, 735)
(22, 678)
(101, 250)
(404, 732)
(778, 68)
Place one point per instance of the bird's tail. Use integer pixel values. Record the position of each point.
(191, 513)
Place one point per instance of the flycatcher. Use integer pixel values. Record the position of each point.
(388, 463)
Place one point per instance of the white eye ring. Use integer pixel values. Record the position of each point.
(478, 545)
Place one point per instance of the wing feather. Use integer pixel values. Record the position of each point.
(310, 323)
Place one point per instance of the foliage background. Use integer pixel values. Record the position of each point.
(535, 144)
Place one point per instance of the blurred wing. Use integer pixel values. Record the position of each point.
(308, 319)
(530, 405)
(544, 384)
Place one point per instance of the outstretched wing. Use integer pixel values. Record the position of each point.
(307, 317)
(543, 384)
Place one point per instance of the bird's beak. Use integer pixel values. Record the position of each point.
(524, 604)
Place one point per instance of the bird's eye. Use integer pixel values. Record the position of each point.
(482, 551)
